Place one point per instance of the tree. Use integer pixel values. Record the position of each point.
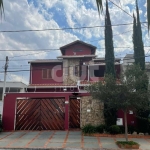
(123, 94)
(100, 9)
(109, 48)
(139, 54)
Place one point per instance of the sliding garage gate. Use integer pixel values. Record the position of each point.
(40, 114)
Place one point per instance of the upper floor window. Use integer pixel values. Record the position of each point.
(46, 73)
(77, 70)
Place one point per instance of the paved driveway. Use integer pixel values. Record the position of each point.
(61, 139)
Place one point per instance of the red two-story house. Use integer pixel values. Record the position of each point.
(56, 98)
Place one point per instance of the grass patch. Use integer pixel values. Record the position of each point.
(127, 143)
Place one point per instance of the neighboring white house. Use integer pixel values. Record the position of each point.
(12, 87)
(129, 60)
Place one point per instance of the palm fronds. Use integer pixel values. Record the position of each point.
(99, 5)
(1, 8)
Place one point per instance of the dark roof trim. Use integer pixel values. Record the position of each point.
(46, 61)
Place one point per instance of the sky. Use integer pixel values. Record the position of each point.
(59, 14)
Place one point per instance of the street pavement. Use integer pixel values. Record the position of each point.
(65, 140)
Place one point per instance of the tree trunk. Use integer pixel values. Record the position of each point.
(126, 127)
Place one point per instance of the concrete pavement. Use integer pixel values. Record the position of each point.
(61, 139)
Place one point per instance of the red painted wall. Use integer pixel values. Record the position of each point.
(85, 50)
(130, 118)
(9, 109)
(36, 73)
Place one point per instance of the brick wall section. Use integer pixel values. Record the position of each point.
(96, 116)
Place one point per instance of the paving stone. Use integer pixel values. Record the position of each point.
(75, 132)
(54, 145)
(44, 136)
(108, 143)
(73, 145)
(91, 145)
(4, 143)
(14, 136)
(37, 143)
(20, 143)
(144, 145)
(74, 139)
(57, 139)
(61, 132)
(90, 139)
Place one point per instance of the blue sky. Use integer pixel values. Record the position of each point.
(43, 14)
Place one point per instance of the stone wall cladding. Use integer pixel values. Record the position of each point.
(70, 65)
(95, 116)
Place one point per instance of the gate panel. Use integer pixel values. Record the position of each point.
(40, 114)
(74, 114)
(52, 114)
(27, 117)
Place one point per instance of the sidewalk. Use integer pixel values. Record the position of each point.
(61, 139)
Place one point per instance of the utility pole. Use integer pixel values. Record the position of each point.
(5, 73)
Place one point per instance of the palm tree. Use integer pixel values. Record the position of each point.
(1, 7)
(100, 9)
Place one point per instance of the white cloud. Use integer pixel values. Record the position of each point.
(21, 15)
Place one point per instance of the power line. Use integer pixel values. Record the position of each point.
(24, 70)
(60, 29)
(113, 35)
(121, 9)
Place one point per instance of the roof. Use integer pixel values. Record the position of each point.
(129, 56)
(46, 61)
(103, 58)
(76, 56)
(51, 85)
(75, 42)
(13, 84)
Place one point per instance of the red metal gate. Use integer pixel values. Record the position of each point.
(40, 114)
(74, 114)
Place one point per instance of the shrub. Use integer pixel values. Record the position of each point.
(127, 142)
(131, 129)
(100, 128)
(114, 129)
(89, 129)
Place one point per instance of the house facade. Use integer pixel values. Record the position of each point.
(56, 98)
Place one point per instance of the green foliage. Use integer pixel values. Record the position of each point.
(139, 54)
(143, 124)
(109, 48)
(127, 143)
(100, 128)
(128, 93)
(110, 115)
(131, 129)
(88, 129)
(124, 94)
(114, 129)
